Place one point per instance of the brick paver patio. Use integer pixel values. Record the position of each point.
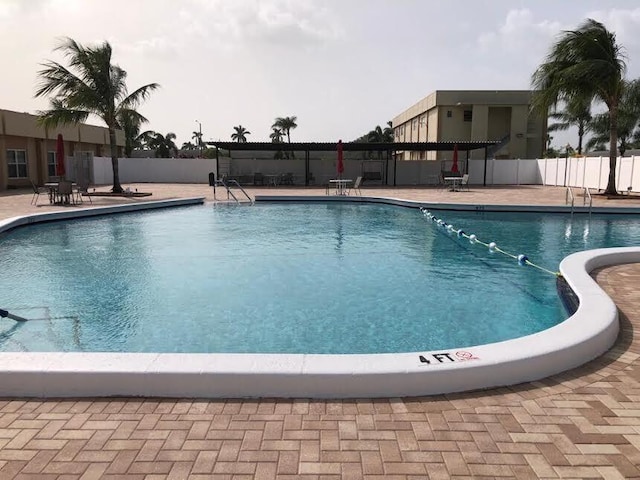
(584, 423)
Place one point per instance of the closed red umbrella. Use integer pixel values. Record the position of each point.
(340, 165)
(60, 156)
(454, 167)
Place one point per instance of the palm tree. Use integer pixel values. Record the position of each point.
(164, 145)
(378, 135)
(197, 136)
(240, 134)
(577, 112)
(130, 124)
(628, 120)
(387, 133)
(276, 135)
(144, 139)
(584, 63)
(96, 88)
(286, 124)
(188, 146)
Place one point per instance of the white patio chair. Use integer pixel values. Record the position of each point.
(356, 186)
(464, 183)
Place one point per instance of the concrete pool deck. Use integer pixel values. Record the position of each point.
(582, 423)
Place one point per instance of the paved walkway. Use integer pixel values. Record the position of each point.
(584, 423)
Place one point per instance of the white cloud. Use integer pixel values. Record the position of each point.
(283, 22)
(519, 33)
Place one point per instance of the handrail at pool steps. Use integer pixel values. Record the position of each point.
(587, 195)
(226, 184)
(569, 195)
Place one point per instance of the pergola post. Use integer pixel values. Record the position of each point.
(217, 164)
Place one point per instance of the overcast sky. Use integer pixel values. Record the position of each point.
(341, 66)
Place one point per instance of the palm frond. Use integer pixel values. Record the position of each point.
(60, 114)
(135, 98)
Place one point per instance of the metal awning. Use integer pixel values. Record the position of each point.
(353, 146)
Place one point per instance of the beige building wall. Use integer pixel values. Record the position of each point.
(20, 131)
(478, 115)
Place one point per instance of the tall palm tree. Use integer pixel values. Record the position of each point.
(584, 63)
(577, 112)
(286, 124)
(240, 134)
(164, 145)
(91, 85)
(628, 120)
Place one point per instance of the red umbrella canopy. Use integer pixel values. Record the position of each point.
(454, 167)
(340, 164)
(60, 156)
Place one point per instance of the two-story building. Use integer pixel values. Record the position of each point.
(477, 115)
(28, 150)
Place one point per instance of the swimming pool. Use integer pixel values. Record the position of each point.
(287, 278)
(421, 244)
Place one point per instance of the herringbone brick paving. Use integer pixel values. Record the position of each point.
(581, 424)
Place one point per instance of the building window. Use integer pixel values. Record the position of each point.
(449, 113)
(423, 120)
(414, 123)
(17, 163)
(51, 164)
(468, 115)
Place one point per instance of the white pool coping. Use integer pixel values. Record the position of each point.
(591, 331)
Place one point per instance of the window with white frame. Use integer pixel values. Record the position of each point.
(17, 163)
(51, 164)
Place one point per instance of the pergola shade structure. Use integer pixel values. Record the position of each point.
(389, 148)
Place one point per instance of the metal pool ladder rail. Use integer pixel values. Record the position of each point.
(587, 195)
(569, 196)
(227, 184)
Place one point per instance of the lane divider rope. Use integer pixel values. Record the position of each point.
(473, 239)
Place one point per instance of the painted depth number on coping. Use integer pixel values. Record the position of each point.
(447, 357)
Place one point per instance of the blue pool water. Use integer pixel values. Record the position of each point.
(287, 278)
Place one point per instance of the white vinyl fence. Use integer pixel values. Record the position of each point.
(154, 170)
(589, 172)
